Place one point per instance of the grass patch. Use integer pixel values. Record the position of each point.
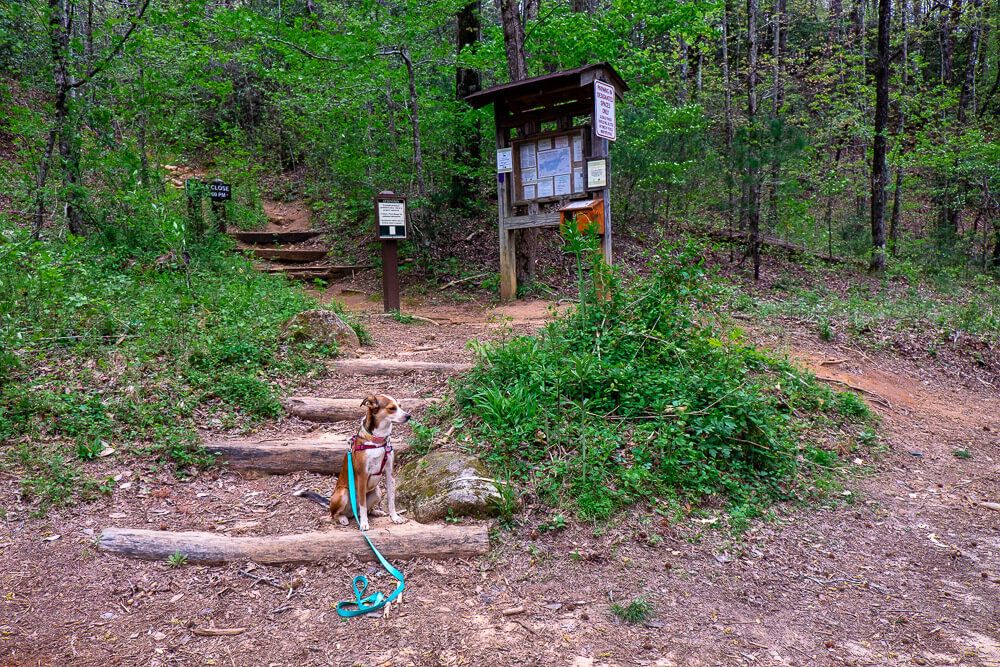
(635, 612)
(639, 397)
(106, 342)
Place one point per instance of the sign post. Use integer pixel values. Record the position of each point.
(219, 193)
(193, 190)
(390, 222)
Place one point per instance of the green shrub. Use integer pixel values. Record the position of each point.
(638, 397)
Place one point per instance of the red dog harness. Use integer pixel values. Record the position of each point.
(363, 440)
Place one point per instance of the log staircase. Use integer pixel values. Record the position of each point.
(319, 454)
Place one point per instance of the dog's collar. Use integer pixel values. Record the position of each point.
(363, 440)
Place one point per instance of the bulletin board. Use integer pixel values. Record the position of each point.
(550, 167)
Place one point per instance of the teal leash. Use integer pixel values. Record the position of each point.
(363, 604)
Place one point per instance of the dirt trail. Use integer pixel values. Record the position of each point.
(907, 572)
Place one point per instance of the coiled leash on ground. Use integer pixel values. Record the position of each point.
(363, 604)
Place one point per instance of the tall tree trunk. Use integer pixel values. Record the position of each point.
(996, 245)
(829, 203)
(879, 167)
(968, 81)
(143, 116)
(530, 10)
(467, 81)
(682, 86)
(418, 154)
(777, 94)
(897, 193)
(753, 185)
(526, 240)
(949, 26)
(836, 16)
(728, 102)
(41, 177)
(587, 6)
(513, 39)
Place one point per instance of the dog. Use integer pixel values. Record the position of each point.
(372, 457)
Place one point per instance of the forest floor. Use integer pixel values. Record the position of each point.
(906, 571)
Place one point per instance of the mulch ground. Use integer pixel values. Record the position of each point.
(905, 571)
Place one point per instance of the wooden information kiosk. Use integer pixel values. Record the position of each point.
(552, 135)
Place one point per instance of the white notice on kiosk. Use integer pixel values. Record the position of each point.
(604, 111)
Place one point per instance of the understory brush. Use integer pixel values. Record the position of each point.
(906, 310)
(638, 395)
(105, 347)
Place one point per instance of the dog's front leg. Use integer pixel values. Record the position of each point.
(390, 489)
(361, 493)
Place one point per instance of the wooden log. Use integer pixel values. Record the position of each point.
(340, 409)
(402, 542)
(395, 367)
(290, 254)
(280, 457)
(274, 237)
(736, 236)
(320, 267)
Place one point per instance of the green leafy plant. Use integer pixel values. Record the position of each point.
(177, 559)
(557, 522)
(635, 612)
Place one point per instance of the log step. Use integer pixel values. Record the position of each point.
(283, 456)
(290, 254)
(402, 542)
(395, 367)
(340, 409)
(318, 266)
(296, 236)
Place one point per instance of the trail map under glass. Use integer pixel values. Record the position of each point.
(549, 167)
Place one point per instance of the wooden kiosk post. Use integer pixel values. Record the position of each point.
(549, 129)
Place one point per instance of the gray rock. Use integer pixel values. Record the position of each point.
(323, 327)
(444, 483)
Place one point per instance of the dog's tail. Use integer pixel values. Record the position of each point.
(312, 495)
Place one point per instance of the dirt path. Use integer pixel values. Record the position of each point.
(907, 572)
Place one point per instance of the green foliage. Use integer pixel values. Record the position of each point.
(637, 397)
(635, 612)
(403, 318)
(557, 522)
(106, 342)
(176, 559)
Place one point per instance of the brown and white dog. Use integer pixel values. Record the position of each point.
(372, 457)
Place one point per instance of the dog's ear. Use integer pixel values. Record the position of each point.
(371, 402)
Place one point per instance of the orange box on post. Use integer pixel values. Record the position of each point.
(588, 212)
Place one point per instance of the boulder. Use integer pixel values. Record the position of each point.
(445, 483)
(323, 327)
